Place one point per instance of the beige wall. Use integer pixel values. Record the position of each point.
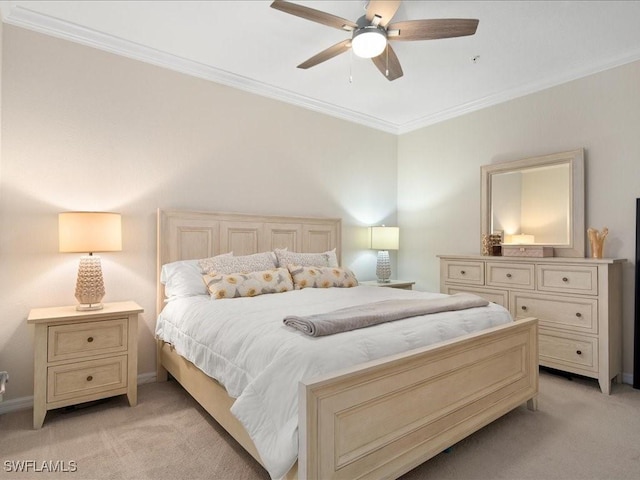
(84, 129)
(439, 171)
(87, 130)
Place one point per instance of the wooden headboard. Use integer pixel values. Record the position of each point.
(186, 235)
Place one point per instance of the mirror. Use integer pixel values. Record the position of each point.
(537, 201)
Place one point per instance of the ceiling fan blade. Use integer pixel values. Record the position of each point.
(314, 15)
(433, 29)
(388, 64)
(325, 55)
(383, 9)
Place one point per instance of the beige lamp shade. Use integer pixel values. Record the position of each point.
(88, 232)
(385, 238)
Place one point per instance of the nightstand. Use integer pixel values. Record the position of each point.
(390, 284)
(81, 356)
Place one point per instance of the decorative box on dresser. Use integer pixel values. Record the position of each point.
(81, 356)
(578, 302)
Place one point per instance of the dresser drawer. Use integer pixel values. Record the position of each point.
(460, 271)
(86, 378)
(501, 297)
(570, 279)
(86, 339)
(576, 314)
(560, 351)
(520, 275)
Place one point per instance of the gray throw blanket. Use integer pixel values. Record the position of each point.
(360, 316)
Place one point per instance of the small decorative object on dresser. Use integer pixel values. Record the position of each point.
(596, 239)
(491, 244)
(81, 356)
(537, 251)
(577, 302)
(391, 284)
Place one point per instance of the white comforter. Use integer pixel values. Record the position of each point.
(243, 344)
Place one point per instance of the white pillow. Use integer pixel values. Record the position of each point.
(326, 259)
(184, 278)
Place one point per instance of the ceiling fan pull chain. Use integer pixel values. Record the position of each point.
(351, 67)
(386, 73)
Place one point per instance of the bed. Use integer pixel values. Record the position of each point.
(423, 400)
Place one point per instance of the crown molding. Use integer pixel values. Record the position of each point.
(22, 17)
(31, 20)
(520, 91)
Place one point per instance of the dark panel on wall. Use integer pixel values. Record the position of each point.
(636, 328)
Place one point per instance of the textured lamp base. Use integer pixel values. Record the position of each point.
(90, 285)
(383, 267)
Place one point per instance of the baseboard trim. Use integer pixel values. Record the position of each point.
(24, 403)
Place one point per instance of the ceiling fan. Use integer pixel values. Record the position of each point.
(371, 33)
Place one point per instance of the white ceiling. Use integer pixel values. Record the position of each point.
(522, 47)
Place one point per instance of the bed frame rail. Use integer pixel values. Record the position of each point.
(383, 418)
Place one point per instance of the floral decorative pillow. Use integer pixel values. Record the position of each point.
(321, 277)
(326, 259)
(248, 284)
(227, 264)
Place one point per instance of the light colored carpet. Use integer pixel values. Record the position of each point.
(577, 433)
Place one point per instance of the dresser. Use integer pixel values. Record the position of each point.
(578, 302)
(81, 356)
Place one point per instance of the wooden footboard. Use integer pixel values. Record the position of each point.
(381, 419)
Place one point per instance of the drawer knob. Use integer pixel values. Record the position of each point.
(462, 272)
(565, 279)
(524, 307)
(579, 315)
(89, 378)
(579, 352)
(90, 339)
(508, 275)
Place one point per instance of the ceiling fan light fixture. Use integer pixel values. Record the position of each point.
(369, 41)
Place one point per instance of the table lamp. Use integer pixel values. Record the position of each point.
(384, 239)
(89, 232)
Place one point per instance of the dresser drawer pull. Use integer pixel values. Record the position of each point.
(524, 307)
(90, 339)
(508, 275)
(462, 272)
(565, 279)
(579, 352)
(579, 315)
(89, 378)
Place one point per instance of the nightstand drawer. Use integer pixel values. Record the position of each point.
(570, 279)
(86, 378)
(87, 339)
(577, 314)
(568, 351)
(518, 275)
(463, 272)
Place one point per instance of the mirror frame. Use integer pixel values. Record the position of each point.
(575, 159)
